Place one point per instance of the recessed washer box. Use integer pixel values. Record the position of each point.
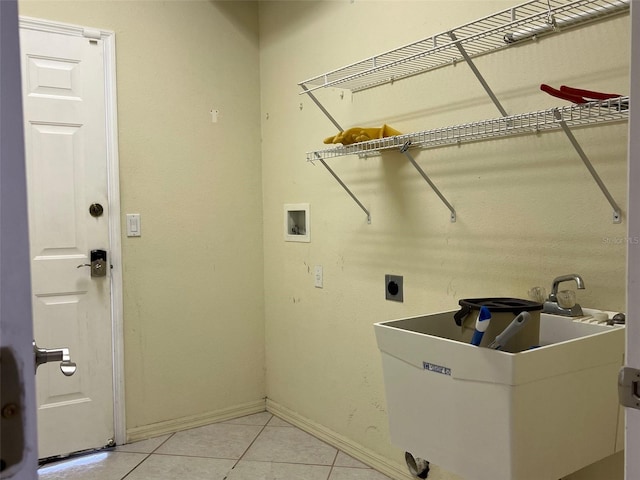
(296, 222)
(485, 414)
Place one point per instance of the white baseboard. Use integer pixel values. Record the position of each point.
(184, 423)
(357, 451)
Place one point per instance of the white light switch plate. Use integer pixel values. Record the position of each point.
(133, 225)
(317, 273)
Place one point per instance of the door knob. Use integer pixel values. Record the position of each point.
(44, 355)
(98, 263)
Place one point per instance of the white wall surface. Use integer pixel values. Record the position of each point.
(528, 210)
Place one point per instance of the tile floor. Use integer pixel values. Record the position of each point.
(255, 447)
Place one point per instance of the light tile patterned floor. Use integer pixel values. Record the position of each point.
(255, 447)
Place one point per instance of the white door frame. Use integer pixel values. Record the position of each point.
(113, 189)
(632, 462)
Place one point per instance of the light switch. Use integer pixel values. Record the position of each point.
(133, 225)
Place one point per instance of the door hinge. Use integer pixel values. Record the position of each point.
(629, 387)
(91, 33)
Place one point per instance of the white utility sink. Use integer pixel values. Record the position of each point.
(484, 414)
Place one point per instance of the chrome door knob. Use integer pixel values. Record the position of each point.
(44, 355)
(68, 368)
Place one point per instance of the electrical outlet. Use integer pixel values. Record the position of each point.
(393, 288)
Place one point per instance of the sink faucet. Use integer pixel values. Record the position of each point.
(551, 304)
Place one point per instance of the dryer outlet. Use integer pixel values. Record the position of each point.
(393, 288)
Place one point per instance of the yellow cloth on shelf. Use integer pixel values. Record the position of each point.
(359, 134)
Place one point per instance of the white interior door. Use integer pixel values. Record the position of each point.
(65, 142)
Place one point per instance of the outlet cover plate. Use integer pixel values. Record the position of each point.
(393, 288)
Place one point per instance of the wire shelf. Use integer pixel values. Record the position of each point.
(508, 27)
(607, 111)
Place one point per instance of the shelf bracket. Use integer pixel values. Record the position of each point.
(340, 129)
(404, 150)
(617, 215)
(321, 107)
(478, 75)
(342, 184)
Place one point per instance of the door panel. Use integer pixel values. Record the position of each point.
(18, 434)
(54, 225)
(65, 141)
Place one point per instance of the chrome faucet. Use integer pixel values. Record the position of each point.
(551, 304)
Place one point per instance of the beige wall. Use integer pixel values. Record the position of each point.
(197, 298)
(527, 208)
(193, 283)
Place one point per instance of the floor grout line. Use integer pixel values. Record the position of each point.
(147, 457)
(333, 464)
(247, 449)
(134, 468)
(185, 455)
(165, 441)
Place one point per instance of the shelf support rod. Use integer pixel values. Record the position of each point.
(321, 107)
(340, 129)
(478, 75)
(404, 150)
(617, 216)
(344, 186)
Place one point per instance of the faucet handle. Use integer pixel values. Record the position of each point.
(537, 294)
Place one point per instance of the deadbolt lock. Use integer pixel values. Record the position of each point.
(98, 263)
(96, 210)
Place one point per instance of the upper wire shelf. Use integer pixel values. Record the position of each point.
(508, 27)
(612, 110)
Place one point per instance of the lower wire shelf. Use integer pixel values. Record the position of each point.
(612, 110)
(560, 118)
